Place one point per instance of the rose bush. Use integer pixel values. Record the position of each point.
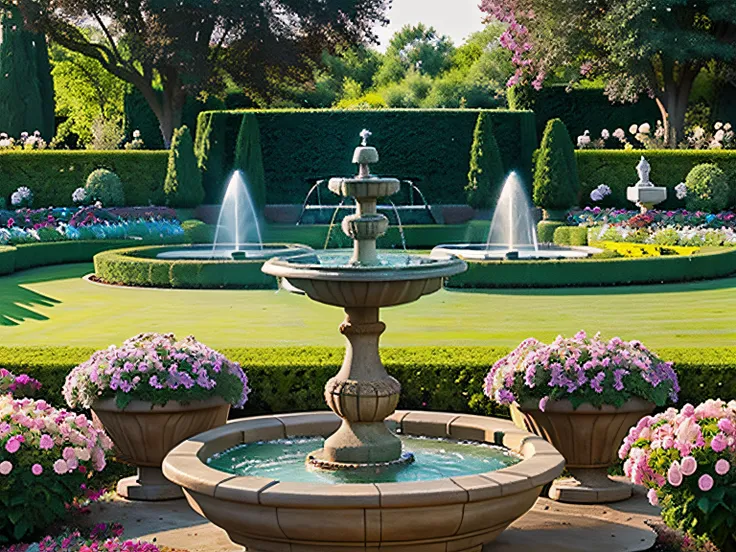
(156, 368)
(18, 386)
(101, 538)
(687, 460)
(583, 370)
(46, 455)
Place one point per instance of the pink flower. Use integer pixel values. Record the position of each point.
(653, 498)
(689, 465)
(37, 469)
(60, 467)
(543, 403)
(719, 443)
(5, 467)
(722, 467)
(705, 483)
(726, 426)
(674, 475)
(46, 442)
(12, 445)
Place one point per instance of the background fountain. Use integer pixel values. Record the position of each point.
(512, 234)
(261, 479)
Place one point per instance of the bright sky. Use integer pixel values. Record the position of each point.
(455, 18)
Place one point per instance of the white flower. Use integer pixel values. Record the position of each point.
(727, 127)
(79, 195)
(633, 129)
(619, 133)
(584, 139)
(605, 134)
(645, 128)
(718, 125)
(718, 136)
(681, 190)
(136, 134)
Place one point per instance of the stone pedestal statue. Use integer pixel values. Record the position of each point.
(644, 193)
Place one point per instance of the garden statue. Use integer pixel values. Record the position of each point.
(645, 194)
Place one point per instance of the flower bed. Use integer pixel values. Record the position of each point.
(596, 216)
(687, 460)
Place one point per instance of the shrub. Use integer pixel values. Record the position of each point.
(19, 386)
(546, 230)
(687, 459)
(183, 184)
(555, 174)
(156, 368)
(197, 231)
(707, 189)
(615, 371)
(571, 235)
(486, 167)
(106, 187)
(45, 457)
(249, 159)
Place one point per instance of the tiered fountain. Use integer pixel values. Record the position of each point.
(382, 480)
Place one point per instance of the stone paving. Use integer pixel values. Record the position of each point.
(549, 526)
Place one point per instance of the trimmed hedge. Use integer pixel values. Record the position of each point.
(571, 235)
(292, 379)
(431, 145)
(138, 266)
(546, 230)
(52, 175)
(617, 169)
(596, 272)
(7, 259)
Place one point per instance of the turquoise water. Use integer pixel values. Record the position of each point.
(284, 460)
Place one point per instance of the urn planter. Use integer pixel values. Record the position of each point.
(144, 434)
(589, 438)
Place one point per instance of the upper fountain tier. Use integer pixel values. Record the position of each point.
(364, 278)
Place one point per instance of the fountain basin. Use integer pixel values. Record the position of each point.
(458, 514)
(250, 252)
(483, 252)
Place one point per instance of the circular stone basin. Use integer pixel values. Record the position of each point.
(246, 252)
(329, 277)
(483, 252)
(459, 513)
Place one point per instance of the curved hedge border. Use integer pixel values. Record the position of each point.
(138, 266)
(708, 264)
(449, 379)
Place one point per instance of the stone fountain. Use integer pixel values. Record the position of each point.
(273, 488)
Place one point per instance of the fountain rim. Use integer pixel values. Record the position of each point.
(186, 464)
(472, 252)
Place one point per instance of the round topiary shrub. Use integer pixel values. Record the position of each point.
(197, 231)
(707, 188)
(106, 187)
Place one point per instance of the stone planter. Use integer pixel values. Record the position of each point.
(144, 434)
(589, 439)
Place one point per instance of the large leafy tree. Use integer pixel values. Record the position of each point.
(657, 47)
(170, 49)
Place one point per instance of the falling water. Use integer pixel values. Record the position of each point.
(237, 224)
(401, 226)
(513, 225)
(332, 222)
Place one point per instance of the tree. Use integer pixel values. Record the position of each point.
(657, 47)
(183, 185)
(26, 88)
(417, 48)
(556, 182)
(486, 167)
(184, 47)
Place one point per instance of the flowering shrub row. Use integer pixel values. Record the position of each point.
(596, 216)
(583, 370)
(156, 368)
(101, 538)
(46, 455)
(687, 460)
(137, 229)
(722, 136)
(668, 235)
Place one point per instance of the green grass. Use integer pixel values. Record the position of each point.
(54, 306)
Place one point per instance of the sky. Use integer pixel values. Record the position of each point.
(455, 18)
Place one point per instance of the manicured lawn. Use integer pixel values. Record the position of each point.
(54, 306)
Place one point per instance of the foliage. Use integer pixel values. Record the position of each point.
(198, 232)
(655, 217)
(665, 235)
(26, 89)
(106, 135)
(417, 48)
(22, 386)
(100, 538)
(436, 161)
(106, 187)
(556, 173)
(486, 168)
(249, 159)
(707, 188)
(582, 370)
(546, 230)
(647, 250)
(156, 368)
(159, 49)
(54, 175)
(45, 458)
(183, 184)
(570, 235)
(687, 459)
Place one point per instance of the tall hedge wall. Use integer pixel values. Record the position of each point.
(432, 145)
(52, 176)
(617, 169)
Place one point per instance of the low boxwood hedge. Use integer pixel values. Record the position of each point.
(546, 230)
(138, 266)
(708, 264)
(7, 259)
(291, 379)
(571, 235)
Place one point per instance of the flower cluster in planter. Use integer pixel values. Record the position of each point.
(582, 369)
(100, 538)
(46, 455)
(687, 459)
(156, 368)
(18, 386)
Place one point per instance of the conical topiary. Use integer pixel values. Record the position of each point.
(183, 185)
(249, 159)
(556, 181)
(486, 174)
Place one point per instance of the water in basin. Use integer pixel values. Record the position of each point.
(341, 259)
(283, 460)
